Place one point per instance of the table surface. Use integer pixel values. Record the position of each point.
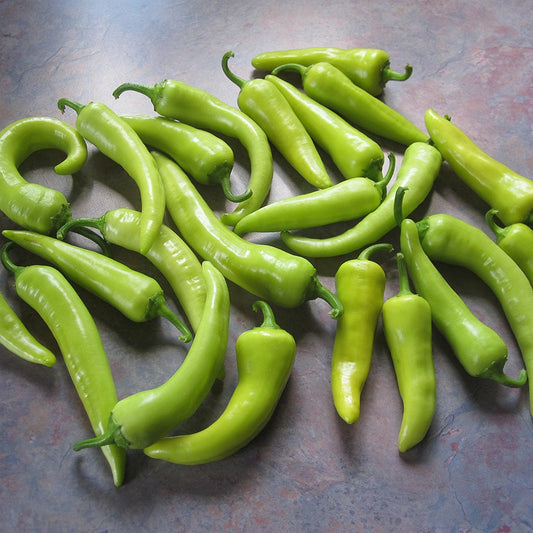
(308, 470)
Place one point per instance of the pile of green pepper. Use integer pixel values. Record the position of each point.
(336, 110)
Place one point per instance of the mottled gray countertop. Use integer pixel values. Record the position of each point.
(308, 470)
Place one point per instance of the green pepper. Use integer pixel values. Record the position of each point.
(360, 287)
(265, 271)
(354, 153)
(136, 295)
(17, 339)
(330, 87)
(369, 68)
(117, 140)
(419, 169)
(407, 328)
(499, 186)
(169, 254)
(346, 200)
(31, 205)
(178, 100)
(515, 239)
(139, 420)
(204, 156)
(265, 357)
(451, 240)
(262, 101)
(48, 292)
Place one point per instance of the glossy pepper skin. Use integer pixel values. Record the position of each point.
(407, 327)
(346, 200)
(204, 156)
(262, 101)
(502, 188)
(101, 126)
(451, 240)
(30, 205)
(329, 86)
(360, 285)
(178, 100)
(267, 272)
(18, 340)
(169, 253)
(516, 240)
(265, 358)
(49, 293)
(419, 169)
(354, 153)
(369, 68)
(139, 420)
(137, 296)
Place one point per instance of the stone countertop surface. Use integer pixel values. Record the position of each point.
(307, 470)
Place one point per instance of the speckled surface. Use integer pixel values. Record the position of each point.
(308, 470)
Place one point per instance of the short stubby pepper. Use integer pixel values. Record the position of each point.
(262, 101)
(407, 327)
(360, 287)
(369, 68)
(265, 357)
(31, 205)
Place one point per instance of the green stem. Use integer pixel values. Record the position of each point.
(269, 320)
(164, 312)
(398, 205)
(111, 435)
(143, 89)
(290, 66)
(6, 261)
(319, 291)
(370, 250)
(232, 77)
(381, 185)
(496, 373)
(389, 74)
(228, 193)
(499, 231)
(76, 223)
(402, 273)
(65, 102)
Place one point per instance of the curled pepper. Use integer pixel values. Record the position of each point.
(136, 295)
(407, 327)
(47, 291)
(139, 420)
(262, 101)
(117, 140)
(265, 271)
(369, 68)
(360, 287)
(354, 153)
(346, 200)
(265, 357)
(204, 156)
(499, 186)
(451, 240)
(178, 100)
(419, 169)
(329, 86)
(30, 205)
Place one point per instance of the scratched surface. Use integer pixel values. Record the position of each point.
(308, 470)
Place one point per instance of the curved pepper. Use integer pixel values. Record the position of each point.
(516, 240)
(329, 86)
(136, 295)
(369, 68)
(176, 99)
(420, 167)
(354, 153)
(31, 205)
(118, 141)
(139, 420)
(169, 253)
(204, 156)
(346, 200)
(47, 291)
(265, 357)
(498, 185)
(407, 327)
(262, 101)
(360, 287)
(450, 240)
(265, 271)
(17, 339)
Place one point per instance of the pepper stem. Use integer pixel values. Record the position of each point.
(77, 223)
(381, 185)
(228, 193)
(499, 231)
(370, 250)
(290, 66)
(143, 89)
(111, 435)
(402, 274)
(269, 320)
(65, 102)
(6, 261)
(164, 312)
(398, 204)
(235, 79)
(497, 374)
(388, 74)
(319, 291)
